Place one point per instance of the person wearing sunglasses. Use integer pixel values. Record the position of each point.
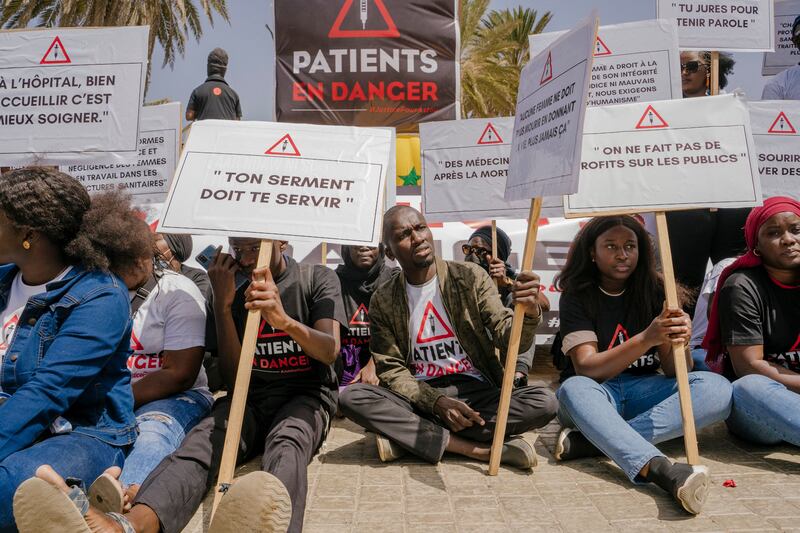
(478, 250)
(786, 85)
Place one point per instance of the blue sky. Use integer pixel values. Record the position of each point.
(249, 45)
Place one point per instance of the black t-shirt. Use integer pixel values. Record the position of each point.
(611, 327)
(754, 309)
(280, 366)
(215, 100)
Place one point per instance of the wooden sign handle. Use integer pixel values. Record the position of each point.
(678, 350)
(324, 248)
(714, 88)
(494, 245)
(236, 416)
(513, 344)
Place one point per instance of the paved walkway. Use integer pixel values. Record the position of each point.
(350, 490)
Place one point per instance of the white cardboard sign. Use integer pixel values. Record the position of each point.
(786, 53)
(551, 104)
(465, 164)
(71, 95)
(147, 180)
(280, 181)
(776, 131)
(668, 155)
(722, 25)
(634, 62)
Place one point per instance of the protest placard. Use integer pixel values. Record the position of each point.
(71, 95)
(269, 181)
(633, 62)
(147, 180)
(668, 155)
(551, 102)
(777, 137)
(722, 25)
(465, 164)
(786, 53)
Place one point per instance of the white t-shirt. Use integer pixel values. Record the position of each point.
(17, 300)
(700, 319)
(435, 350)
(784, 86)
(173, 317)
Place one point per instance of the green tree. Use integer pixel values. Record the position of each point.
(494, 49)
(171, 21)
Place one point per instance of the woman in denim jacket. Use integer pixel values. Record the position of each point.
(65, 336)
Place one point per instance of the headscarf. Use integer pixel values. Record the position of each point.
(362, 283)
(180, 245)
(217, 62)
(503, 245)
(715, 357)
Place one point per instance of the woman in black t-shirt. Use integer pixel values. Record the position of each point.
(754, 328)
(617, 333)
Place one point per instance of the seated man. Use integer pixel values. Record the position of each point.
(291, 399)
(435, 327)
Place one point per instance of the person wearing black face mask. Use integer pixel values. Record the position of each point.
(478, 250)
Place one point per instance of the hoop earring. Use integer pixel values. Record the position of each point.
(755, 252)
(26, 244)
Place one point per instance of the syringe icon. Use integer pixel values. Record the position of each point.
(363, 14)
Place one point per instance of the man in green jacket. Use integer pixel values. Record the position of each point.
(435, 327)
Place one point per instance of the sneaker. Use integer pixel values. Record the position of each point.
(519, 453)
(388, 450)
(257, 502)
(690, 486)
(571, 444)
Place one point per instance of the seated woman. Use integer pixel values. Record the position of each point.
(66, 331)
(363, 271)
(754, 329)
(617, 332)
(175, 250)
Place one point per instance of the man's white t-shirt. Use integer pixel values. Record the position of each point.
(700, 320)
(17, 299)
(173, 317)
(435, 350)
(784, 86)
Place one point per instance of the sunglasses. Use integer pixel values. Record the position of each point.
(691, 66)
(479, 252)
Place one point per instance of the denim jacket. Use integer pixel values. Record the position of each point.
(68, 358)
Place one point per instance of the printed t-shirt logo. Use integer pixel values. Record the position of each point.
(620, 337)
(789, 359)
(8, 332)
(432, 327)
(277, 353)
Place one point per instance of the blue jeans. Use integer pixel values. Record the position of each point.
(764, 411)
(699, 357)
(624, 416)
(71, 455)
(162, 426)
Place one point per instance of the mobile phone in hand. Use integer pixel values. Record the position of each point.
(205, 257)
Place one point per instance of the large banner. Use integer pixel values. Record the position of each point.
(786, 53)
(723, 25)
(669, 155)
(466, 164)
(366, 62)
(634, 62)
(71, 95)
(280, 181)
(146, 180)
(777, 137)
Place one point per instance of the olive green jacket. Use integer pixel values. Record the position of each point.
(480, 320)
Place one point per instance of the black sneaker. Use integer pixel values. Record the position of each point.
(688, 484)
(571, 444)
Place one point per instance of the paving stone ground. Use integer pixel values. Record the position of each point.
(351, 491)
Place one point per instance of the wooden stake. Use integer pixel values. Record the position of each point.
(678, 350)
(494, 245)
(714, 73)
(236, 416)
(513, 344)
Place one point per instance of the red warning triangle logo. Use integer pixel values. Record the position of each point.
(620, 336)
(136, 346)
(651, 120)
(284, 146)
(432, 328)
(782, 125)
(56, 54)
(490, 136)
(360, 317)
(796, 346)
(600, 48)
(361, 17)
(547, 73)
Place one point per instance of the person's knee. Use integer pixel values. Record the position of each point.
(354, 397)
(753, 387)
(576, 387)
(159, 428)
(714, 390)
(540, 404)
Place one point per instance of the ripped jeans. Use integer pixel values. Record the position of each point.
(162, 426)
